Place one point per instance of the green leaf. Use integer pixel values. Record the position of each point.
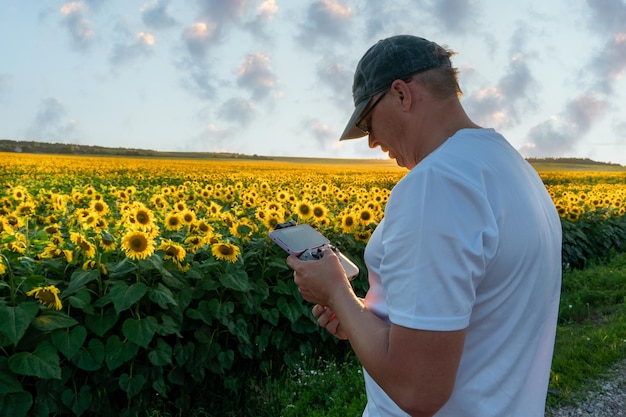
(15, 320)
(207, 284)
(90, 358)
(184, 353)
(78, 403)
(101, 323)
(132, 385)
(42, 363)
(270, 315)
(169, 326)
(238, 280)
(79, 279)
(69, 341)
(226, 359)
(161, 355)
(291, 310)
(9, 383)
(162, 296)
(140, 331)
(285, 287)
(124, 296)
(240, 329)
(121, 269)
(82, 300)
(206, 311)
(51, 320)
(118, 352)
(16, 404)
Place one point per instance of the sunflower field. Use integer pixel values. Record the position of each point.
(129, 282)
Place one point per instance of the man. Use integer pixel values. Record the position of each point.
(465, 268)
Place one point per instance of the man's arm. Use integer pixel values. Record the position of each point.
(416, 368)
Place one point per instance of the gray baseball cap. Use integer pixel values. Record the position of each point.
(390, 59)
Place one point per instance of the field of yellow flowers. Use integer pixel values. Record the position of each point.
(144, 278)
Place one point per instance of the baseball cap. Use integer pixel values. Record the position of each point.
(390, 59)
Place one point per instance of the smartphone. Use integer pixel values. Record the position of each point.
(307, 243)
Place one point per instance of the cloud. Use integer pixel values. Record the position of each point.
(559, 135)
(51, 125)
(237, 110)
(320, 131)
(607, 16)
(74, 18)
(224, 11)
(325, 19)
(456, 16)
(255, 75)
(500, 106)
(609, 65)
(266, 12)
(140, 46)
(338, 79)
(198, 37)
(155, 15)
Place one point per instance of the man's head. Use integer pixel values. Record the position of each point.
(397, 57)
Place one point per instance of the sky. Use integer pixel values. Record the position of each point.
(274, 77)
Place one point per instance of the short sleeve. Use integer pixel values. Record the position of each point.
(439, 236)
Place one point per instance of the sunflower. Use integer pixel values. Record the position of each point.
(47, 295)
(243, 229)
(100, 207)
(3, 268)
(19, 244)
(90, 221)
(225, 251)
(173, 221)
(188, 216)
(91, 264)
(214, 210)
(348, 222)
(107, 242)
(320, 212)
(13, 221)
(25, 208)
(138, 245)
(201, 227)
(195, 243)
(52, 251)
(19, 193)
(86, 246)
(141, 216)
(363, 235)
(180, 206)
(5, 226)
(172, 251)
(272, 218)
(304, 210)
(365, 216)
(282, 196)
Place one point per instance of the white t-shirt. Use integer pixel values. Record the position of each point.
(472, 240)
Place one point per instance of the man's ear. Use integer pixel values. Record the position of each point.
(403, 93)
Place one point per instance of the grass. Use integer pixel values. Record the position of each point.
(591, 336)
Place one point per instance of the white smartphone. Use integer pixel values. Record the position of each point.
(307, 243)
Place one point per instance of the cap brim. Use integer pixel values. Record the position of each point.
(351, 131)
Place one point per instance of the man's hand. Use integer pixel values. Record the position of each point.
(326, 318)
